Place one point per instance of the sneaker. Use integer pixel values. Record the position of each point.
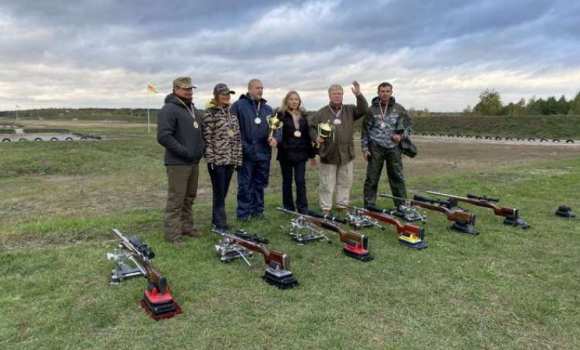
(219, 230)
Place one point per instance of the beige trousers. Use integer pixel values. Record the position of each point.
(181, 192)
(335, 180)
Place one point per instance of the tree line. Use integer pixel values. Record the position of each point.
(490, 104)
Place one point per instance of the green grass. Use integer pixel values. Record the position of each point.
(504, 289)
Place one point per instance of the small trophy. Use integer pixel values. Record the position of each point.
(325, 130)
(274, 123)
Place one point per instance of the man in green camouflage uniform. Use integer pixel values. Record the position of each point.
(384, 126)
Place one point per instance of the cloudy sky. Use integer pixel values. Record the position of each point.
(439, 54)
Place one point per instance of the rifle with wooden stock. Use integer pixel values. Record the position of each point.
(511, 215)
(462, 221)
(157, 299)
(278, 263)
(409, 235)
(356, 244)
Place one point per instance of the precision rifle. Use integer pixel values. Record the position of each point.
(406, 213)
(356, 244)
(409, 235)
(278, 264)
(354, 219)
(462, 221)
(157, 300)
(511, 215)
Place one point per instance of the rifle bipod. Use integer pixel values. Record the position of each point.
(277, 271)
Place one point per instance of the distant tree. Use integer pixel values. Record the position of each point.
(550, 107)
(489, 103)
(534, 106)
(575, 105)
(563, 106)
(467, 111)
(520, 108)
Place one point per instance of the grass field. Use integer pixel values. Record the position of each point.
(504, 289)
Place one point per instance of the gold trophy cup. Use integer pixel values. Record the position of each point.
(325, 130)
(274, 123)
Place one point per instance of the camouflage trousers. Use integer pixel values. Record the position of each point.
(393, 158)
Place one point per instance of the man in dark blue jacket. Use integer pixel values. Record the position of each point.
(179, 131)
(252, 112)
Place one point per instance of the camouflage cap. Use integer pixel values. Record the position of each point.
(222, 89)
(183, 83)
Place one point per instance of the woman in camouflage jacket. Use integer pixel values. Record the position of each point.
(223, 150)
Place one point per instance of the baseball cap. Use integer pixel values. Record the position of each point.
(183, 83)
(222, 89)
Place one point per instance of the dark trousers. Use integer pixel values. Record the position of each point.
(298, 171)
(181, 192)
(220, 176)
(252, 180)
(394, 163)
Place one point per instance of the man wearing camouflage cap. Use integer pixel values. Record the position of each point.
(179, 131)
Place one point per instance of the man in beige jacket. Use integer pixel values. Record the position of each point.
(337, 151)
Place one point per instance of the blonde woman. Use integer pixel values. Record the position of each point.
(294, 150)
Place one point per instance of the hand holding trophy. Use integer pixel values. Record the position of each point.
(273, 124)
(325, 130)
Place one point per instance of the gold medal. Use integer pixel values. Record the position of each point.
(195, 124)
(297, 133)
(230, 133)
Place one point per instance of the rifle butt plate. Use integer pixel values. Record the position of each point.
(412, 241)
(282, 279)
(515, 221)
(464, 228)
(356, 251)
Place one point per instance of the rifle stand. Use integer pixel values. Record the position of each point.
(515, 221)
(229, 251)
(123, 270)
(356, 251)
(298, 229)
(159, 306)
(278, 277)
(412, 241)
(463, 228)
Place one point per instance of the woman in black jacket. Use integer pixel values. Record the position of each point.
(293, 152)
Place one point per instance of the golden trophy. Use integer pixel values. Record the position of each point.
(274, 123)
(325, 130)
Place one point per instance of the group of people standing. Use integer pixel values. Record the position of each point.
(238, 137)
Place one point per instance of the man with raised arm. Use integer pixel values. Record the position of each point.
(337, 150)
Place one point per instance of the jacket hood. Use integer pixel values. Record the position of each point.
(377, 100)
(211, 104)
